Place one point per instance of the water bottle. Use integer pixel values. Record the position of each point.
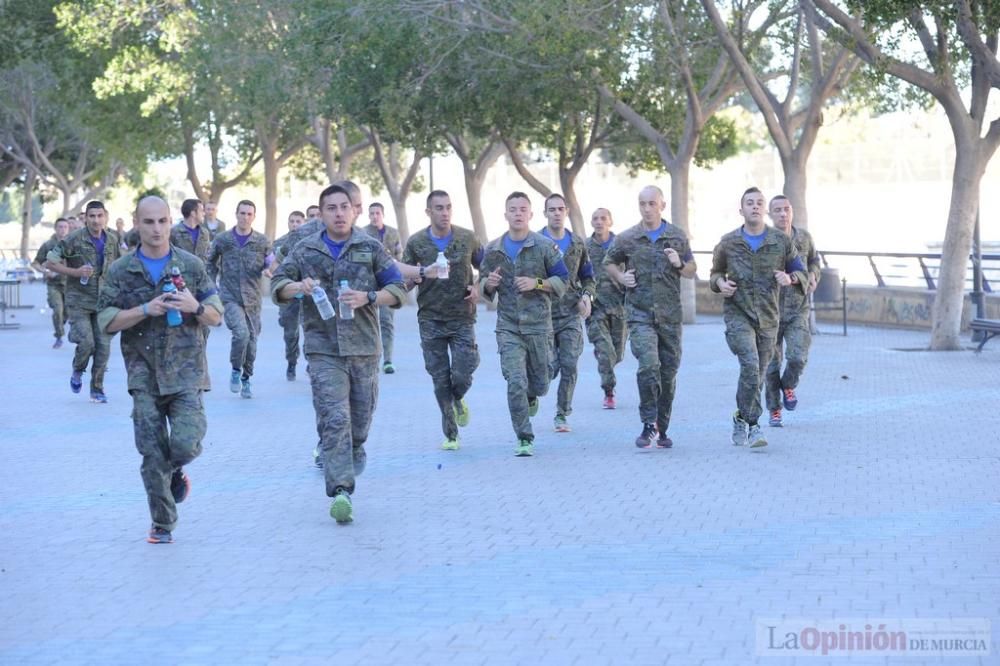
(346, 311)
(174, 317)
(177, 279)
(85, 278)
(322, 302)
(442, 264)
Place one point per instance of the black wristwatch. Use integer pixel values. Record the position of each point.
(200, 311)
(372, 296)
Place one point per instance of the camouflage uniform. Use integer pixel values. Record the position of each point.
(606, 324)
(292, 238)
(220, 228)
(132, 239)
(55, 288)
(653, 313)
(342, 355)
(389, 237)
(289, 318)
(75, 251)
(238, 272)
(524, 321)
(181, 237)
(167, 372)
(567, 327)
(752, 314)
(447, 321)
(793, 329)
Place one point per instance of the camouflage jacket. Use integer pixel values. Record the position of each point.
(220, 229)
(793, 301)
(77, 250)
(293, 238)
(656, 297)
(240, 268)
(132, 239)
(159, 359)
(756, 296)
(581, 276)
(610, 296)
(181, 237)
(390, 239)
(366, 266)
(57, 279)
(444, 300)
(529, 312)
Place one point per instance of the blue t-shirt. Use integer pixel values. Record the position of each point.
(562, 243)
(242, 240)
(196, 232)
(606, 244)
(99, 246)
(512, 247)
(153, 266)
(655, 234)
(754, 241)
(335, 247)
(442, 243)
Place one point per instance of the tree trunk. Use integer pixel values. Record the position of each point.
(271, 168)
(680, 175)
(399, 207)
(567, 178)
(946, 317)
(794, 168)
(27, 212)
(474, 193)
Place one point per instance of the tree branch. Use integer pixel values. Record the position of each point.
(522, 170)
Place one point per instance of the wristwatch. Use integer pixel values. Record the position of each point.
(539, 283)
(200, 311)
(372, 296)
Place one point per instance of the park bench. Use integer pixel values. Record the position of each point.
(988, 327)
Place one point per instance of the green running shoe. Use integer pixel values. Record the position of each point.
(341, 509)
(450, 444)
(462, 414)
(532, 406)
(525, 448)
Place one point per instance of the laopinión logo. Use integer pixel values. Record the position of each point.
(932, 637)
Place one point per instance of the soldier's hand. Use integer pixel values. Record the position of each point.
(268, 272)
(628, 278)
(473, 295)
(783, 278)
(158, 306)
(182, 300)
(811, 287)
(494, 278)
(583, 306)
(727, 287)
(524, 284)
(307, 285)
(431, 271)
(673, 257)
(352, 297)
(85, 271)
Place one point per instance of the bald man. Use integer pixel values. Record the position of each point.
(656, 255)
(167, 370)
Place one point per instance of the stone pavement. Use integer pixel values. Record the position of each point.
(879, 499)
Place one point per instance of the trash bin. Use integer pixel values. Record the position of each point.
(828, 289)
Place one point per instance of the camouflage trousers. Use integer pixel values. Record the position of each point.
(168, 434)
(90, 341)
(345, 390)
(245, 326)
(794, 336)
(451, 375)
(607, 332)
(290, 318)
(387, 330)
(57, 303)
(567, 338)
(657, 348)
(753, 347)
(524, 362)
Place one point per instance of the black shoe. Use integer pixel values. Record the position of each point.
(180, 486)
(648, 436)
(664, 442)
(290, 373)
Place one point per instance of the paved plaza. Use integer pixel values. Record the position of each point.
(880, 498)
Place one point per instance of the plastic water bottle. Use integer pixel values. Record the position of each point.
(442, 264)
(174, 317)
(85, 278)
(322, 302)
(346, 311)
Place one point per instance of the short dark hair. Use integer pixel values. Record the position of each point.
(189, 206)
(333, 189)
(516, 195)
(247, 202)
(297, 212)
(779, 197)
(376, 205)
(554, 195)
(436, 193)
(350, 187)
(95, 204)
(749, 190)
(309, 208)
